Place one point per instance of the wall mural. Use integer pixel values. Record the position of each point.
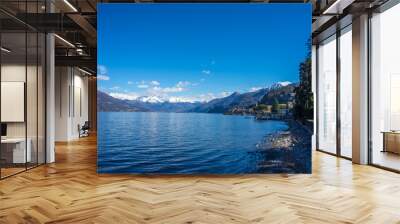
(204, 88)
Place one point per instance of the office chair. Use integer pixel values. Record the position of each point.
(84, 130)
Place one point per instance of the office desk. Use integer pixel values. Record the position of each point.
(13, 150)
(391, 141)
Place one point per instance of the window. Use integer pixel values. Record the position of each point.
(385, 89)
(327, 95)
(346, 92)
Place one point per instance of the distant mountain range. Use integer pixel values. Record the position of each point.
(236, 99)
(107, 103)
(281, 91)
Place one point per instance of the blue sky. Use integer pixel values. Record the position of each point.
(189, 52)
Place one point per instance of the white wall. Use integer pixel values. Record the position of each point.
(62, 82)
(33, 126)
(13, 100)
(71, 102)
(79, 110)
(17, 73)
(14, 72)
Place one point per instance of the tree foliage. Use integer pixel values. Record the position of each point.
(275, 105)
(304, 102)
(261, 107)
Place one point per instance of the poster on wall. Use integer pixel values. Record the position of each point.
(204, 88)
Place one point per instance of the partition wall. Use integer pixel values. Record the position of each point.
(22, 77)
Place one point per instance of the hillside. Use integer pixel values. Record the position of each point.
(281, 93)
(222, 105)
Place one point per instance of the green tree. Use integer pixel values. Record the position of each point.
(261, 107)
(275, 105)
(304, 102)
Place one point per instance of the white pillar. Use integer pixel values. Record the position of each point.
(50, 99)
(360, 90)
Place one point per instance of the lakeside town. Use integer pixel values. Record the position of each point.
(276, 111)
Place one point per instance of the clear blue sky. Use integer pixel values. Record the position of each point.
(199, 51)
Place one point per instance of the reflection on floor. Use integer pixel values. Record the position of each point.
(70, 191)
(10, 171)
(387, 159)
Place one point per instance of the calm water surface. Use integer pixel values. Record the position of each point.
(134, 142)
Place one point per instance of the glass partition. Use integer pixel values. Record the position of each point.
(326, 99)
(385, 89)
(13, 110)
(22, 78)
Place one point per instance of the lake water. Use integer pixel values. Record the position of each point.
(183, 143)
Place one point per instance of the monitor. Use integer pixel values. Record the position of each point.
(3, 129)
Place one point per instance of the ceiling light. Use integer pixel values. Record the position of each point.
(79, 51)
(337, 7)
(70, 5)
(84, 71)
(65, 41)
(5, 50)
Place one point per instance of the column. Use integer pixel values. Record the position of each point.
(360, 90)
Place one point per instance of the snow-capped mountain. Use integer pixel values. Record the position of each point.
(285, 83)
(280, 84)
(156, 99)
(150, 99)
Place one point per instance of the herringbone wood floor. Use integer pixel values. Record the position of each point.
(70, 191)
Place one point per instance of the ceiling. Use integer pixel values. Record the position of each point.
(75, 23)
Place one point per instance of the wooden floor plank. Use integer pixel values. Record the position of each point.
(70, 191)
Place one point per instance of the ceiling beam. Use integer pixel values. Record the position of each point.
(78, 61)
(86, 26)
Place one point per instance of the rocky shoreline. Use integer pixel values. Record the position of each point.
(287, 151)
